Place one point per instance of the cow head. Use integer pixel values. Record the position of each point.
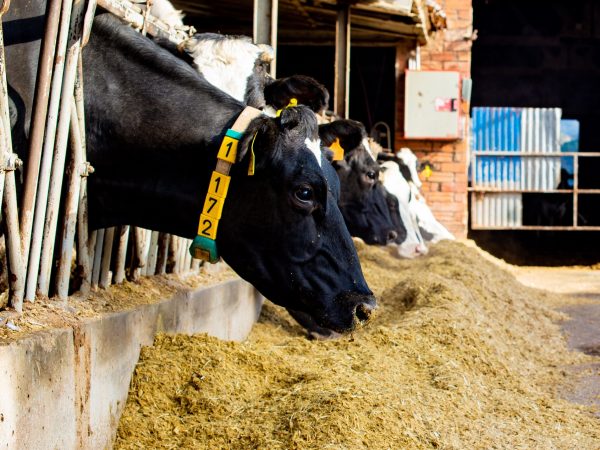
(363, 200)
(281, 228)
(239, 67)
(394, 182)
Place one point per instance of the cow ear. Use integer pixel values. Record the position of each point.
(341, 166)
(259, 137)
(306, 90)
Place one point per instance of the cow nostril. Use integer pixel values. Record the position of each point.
(392, 235)
(363, 312)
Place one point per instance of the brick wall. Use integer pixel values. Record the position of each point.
(446, 188)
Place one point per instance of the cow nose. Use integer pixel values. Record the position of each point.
(363, 312)
(392, 235)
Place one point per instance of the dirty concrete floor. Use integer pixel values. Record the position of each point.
(582, 304)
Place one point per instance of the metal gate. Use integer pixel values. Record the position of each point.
(58, 119)
(516, 151)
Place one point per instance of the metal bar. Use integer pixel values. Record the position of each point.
(173, 252)
(60, 148)
(140, 259)
(71, 207)
(109, 235)
(576, 190)
(187, 257)
(342, 62)
(8, 190)
(84, 243)
(38, 123)
(539, 227)
(538, 191)
(533, 155)
(264, 29)
(153, 256)
(121, 254)
(163, 253)
(47, 152)
(97, 256)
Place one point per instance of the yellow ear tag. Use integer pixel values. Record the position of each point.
(293, 102)
(252, 157)
(337, 149)
(426, 172)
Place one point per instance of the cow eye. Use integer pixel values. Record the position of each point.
(305, 194)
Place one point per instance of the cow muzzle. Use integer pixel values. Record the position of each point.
(354, 310)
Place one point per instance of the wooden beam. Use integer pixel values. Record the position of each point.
(342, 62)
(265, 26)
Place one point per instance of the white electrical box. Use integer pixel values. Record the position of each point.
(432, 105)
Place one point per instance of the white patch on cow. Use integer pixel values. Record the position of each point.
(425, 218)
(414, 212)
(165, 11)
(410, 159)
(396, 184)
(315, 147)
(365, 143)
(225, 63)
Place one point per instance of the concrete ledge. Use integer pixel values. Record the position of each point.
(66, 388)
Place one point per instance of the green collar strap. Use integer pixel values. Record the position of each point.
(204, 245)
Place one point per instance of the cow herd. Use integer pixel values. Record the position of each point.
(380, 193)
(155, 119)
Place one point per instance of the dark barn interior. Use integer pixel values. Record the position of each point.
(544, 54)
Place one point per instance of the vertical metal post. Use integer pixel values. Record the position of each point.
(60, 148)
(47, 153)
(9, 161)
(97, 256)
(38, 123)
(109, 235)
(121, 254)
(71, 206)
(152, 254)
(342, 61)
(264, 30)
(163, 253)
(84, 243)
(140, 254)
(575, 189)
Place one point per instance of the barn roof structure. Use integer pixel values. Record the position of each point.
(301, 22)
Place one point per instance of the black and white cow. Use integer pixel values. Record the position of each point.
(363, 200)
(154, 126)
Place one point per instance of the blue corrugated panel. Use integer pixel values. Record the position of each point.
(497, 129)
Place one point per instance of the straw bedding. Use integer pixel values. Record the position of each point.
(459, 355)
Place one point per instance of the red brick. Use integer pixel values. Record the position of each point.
(454, 187)
(453, 167)
(444, 56)
(432, 65)
(436, 157)
(460, 197)
(459, 156)
(461, 46)
(441, 197)
(459, 66)
(441, 177)
(461, 178)
(415, 145)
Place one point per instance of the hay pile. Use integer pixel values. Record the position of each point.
(459, 356)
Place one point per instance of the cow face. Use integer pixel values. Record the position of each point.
(282, 229)
(362, 200)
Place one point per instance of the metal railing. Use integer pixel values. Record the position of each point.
(519, 177)
(57, 120)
